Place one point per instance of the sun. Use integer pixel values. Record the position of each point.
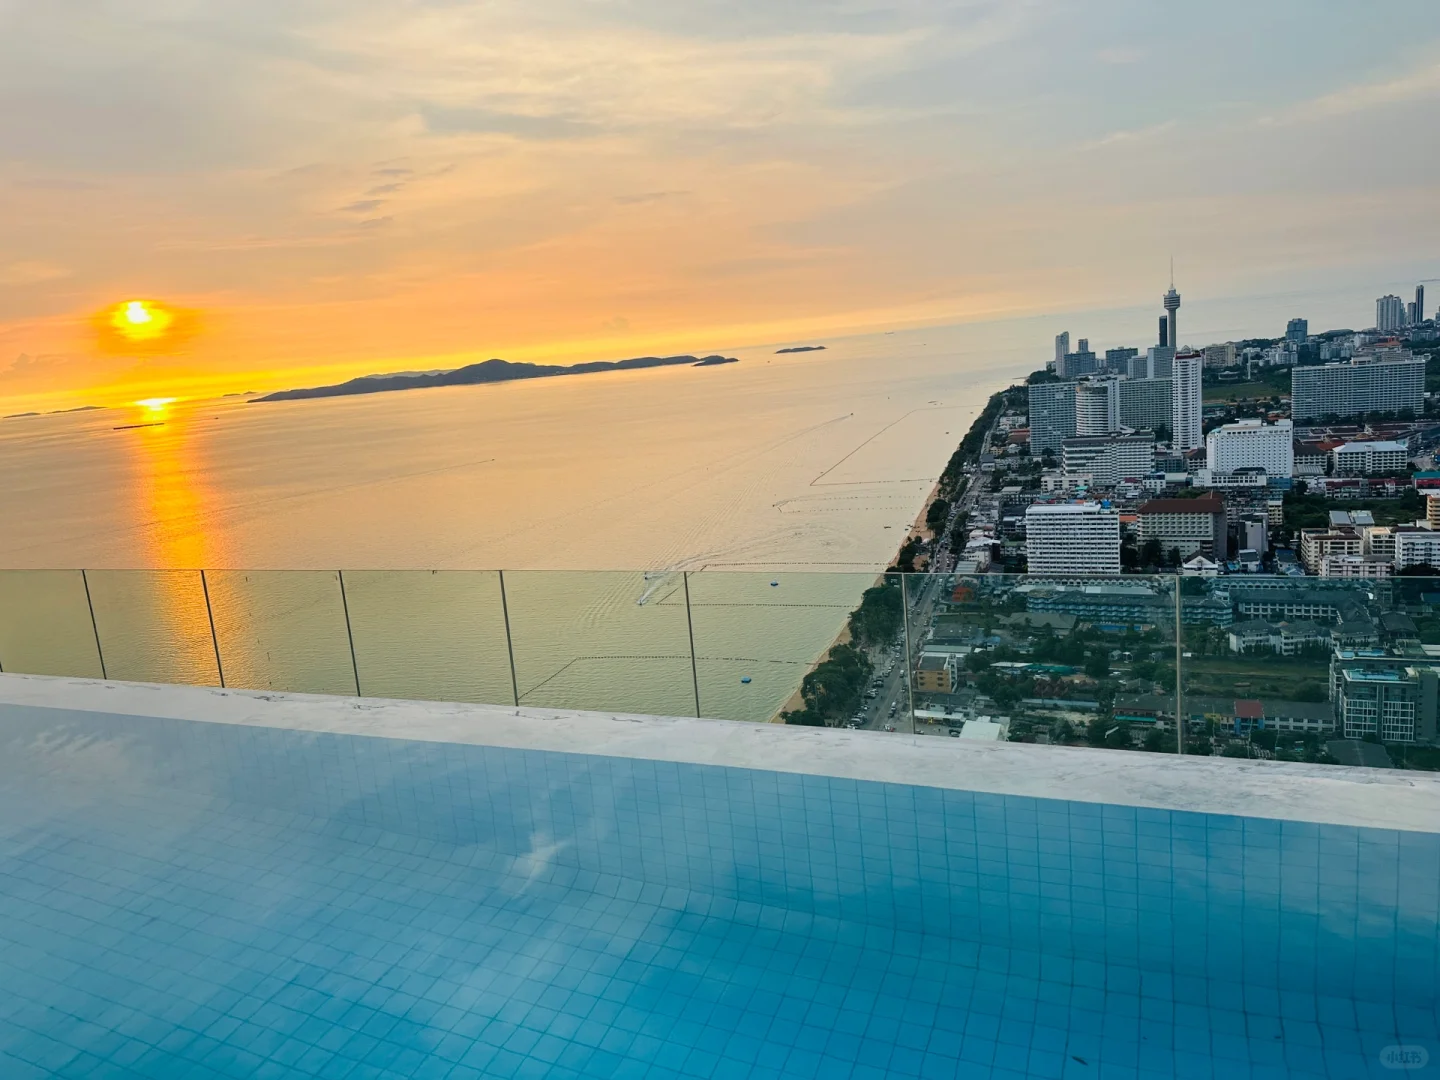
(141, 321)
(156, 404)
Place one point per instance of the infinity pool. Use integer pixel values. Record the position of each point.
(186, 899)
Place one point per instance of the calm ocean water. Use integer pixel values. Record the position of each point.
(802, 468)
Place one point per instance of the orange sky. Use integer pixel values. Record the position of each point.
(341, 189)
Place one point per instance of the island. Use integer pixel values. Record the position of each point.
(490, 371)
(801, 348)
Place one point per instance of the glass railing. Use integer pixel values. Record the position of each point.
(1291, 668)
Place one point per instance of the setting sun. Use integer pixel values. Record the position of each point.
(141, 320)
(156, 404)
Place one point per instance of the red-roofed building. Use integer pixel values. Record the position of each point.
(1191, 526)
(1249, 716)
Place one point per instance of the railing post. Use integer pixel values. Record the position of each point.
(94, 626)
(1179, 656)
(214, 637)
(690, 626)
(349, 633)
(509, 641)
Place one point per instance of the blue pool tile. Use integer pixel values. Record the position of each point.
(244, 902)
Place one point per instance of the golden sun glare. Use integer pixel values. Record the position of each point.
(141, 321)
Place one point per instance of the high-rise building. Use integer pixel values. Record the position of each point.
(1419, 303)
(1297, 330)
(1172, 315)
(1096, 409)
(1072, 539)
(1062, 346)
(1080, 362)
(1220, 356)
(1144, 403)
(1389, 381)
(1118, 360)
(1160, 362)
(1164, 331)
(1185, 400)
(1138, 366)
(1052, 415)
(1109, 459)
(1389, 314)
(1252, 444)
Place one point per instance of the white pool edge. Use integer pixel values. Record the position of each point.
(1337, 795)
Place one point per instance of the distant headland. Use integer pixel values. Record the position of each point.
(490, 371)
(801, 348)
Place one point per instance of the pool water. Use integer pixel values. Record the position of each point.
(184, 899)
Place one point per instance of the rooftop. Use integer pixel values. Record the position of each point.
(202, 881)
(1205, 504)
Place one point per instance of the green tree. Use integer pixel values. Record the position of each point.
(1097, 664)
(937, 515)
(880, 615)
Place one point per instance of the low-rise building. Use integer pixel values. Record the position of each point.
(1191, 526)
(1317, 545)
(1356, 566)
(1370, 458)
(1415, 546)
(935, 674)
(1284, 639)
(1311, 459)
(1398, 706)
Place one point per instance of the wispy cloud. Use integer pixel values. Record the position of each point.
(1417, 85)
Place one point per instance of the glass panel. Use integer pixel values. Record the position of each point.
(153, 626)
(1273, 682)
(45, 626)
(758, 635)
(1085, 662)
(282, 630)
(602, 641)
(430, 635)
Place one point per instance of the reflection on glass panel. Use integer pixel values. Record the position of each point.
(153, 626)
(430, 635)
(609, 641)
(45, 626)
(1332, 669)
(1071, 662)
(282, 630)
(758, 635)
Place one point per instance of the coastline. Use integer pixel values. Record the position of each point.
(956, 472)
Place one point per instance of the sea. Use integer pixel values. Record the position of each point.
(813, 465)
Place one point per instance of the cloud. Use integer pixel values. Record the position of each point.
(1131, 136)
(30, 273)
(453, 120)
(363, 206)
(647, 197)
(1361, 97)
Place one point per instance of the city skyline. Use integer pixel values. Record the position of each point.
(367, 188)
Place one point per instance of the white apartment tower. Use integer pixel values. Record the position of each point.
(1072, 539)
(1389, 314)
(1185, 401)
(1252, 444)
(1062, 346)
(1096, 407)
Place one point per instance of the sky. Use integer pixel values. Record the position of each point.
(326, 188)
